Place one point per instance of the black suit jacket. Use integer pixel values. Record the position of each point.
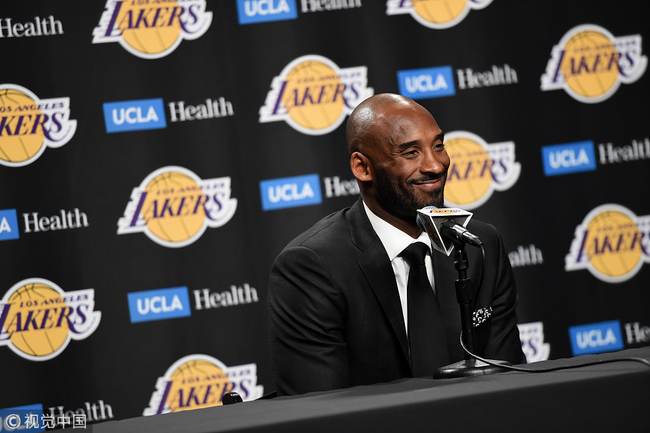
(335, 317)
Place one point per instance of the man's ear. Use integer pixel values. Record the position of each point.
(361, 167)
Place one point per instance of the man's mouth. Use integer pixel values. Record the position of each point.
(429, 182)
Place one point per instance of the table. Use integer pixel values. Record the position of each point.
(609, 397)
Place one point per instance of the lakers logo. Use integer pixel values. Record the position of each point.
(174, 207)
(38, 319)
(477, 169)
(200, 381)
(152, 29)
(314, 96)
(28, 125)
(435, 14)
(590, 63)
(612, 243)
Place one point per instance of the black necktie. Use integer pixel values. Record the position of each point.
(425, 330)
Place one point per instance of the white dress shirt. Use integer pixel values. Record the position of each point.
(395, 241)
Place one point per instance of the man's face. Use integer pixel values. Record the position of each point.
(410, 162)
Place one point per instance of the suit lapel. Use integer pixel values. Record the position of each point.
(376, 267)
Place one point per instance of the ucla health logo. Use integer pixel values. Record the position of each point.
(8, 225)
(152, 29)
(290, 192)
(478, 169)
(596, 338)
(611, 242)
(134, 115)
(28, 125)
(569, 158)
(38, 319)
(435, 14)
(313, 95)
(174, 207)
(426, 83)
(590, 63)
(199, 381)
(259, 11)
(159, 304)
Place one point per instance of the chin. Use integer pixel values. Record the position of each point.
(438, 201)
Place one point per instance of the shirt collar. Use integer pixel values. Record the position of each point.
(393, 239)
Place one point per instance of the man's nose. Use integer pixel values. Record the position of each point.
(434, 162)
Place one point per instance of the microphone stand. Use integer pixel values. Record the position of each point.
(469, 366)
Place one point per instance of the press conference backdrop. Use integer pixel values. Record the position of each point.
(156, 156)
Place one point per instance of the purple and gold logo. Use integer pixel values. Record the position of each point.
(435, 14)
(200, 381)
(174, 207)
(590, 63)
(152, 29)
(313, 95)
(611, 242)
(478, 169)
(28, 125)
(38, 319)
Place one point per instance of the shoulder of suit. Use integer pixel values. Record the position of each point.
(479, 227)
(323, 232)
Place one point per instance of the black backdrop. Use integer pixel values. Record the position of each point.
(112, 370)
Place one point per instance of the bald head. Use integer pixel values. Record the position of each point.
(365, 125)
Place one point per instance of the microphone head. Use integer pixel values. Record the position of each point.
(421, 220)
(430, 219)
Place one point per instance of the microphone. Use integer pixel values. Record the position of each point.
(446, 227)
(453, 231)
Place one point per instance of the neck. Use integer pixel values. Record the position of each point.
(409, 226)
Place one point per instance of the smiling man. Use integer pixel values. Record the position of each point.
(338, 297)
